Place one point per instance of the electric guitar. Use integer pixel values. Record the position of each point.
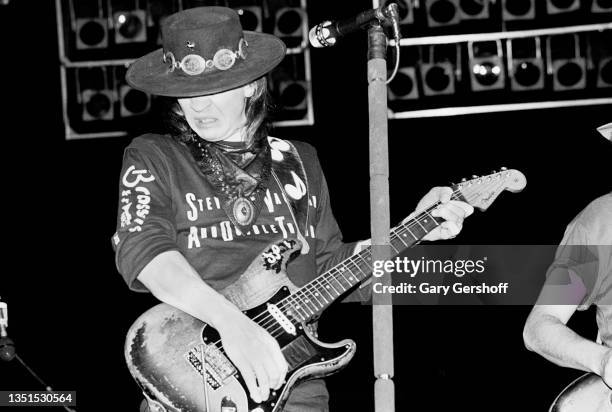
(588, 393)
(178, 360)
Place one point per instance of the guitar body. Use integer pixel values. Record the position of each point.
(164, 347)
(588, 393)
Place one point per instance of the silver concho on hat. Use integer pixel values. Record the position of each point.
(224, 59)
(193, 64)
(242, 48)
(170, 56)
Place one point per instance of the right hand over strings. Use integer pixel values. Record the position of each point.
(255, 353)
(251, 348)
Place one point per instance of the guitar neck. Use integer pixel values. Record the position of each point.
(311, 299)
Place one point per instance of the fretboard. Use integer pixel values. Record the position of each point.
(311, 299)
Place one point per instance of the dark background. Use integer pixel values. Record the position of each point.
(70, 308)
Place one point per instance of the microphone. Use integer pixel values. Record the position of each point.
(327, 33)
(7, 346)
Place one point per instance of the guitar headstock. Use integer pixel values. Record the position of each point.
(481, 191)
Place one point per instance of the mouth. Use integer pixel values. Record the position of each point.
(205, 121)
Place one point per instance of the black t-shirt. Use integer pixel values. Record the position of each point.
(166, 203)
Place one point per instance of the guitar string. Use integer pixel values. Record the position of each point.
(315, 284)
(285, 302)
(317, 287)
(267, 317)
(393, 236)
(290, 300)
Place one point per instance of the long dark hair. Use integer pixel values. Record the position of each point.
(256, 112)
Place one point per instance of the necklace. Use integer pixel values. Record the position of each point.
(241, 190)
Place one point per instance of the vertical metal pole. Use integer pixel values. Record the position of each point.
(382, 314)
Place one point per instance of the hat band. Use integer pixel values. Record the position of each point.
(194, 64)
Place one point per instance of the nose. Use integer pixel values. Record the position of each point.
(199, 103)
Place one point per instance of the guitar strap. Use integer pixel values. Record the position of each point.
(290, 175)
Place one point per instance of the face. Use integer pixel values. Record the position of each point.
(218, 117)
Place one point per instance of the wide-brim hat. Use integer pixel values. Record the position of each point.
(205, 51)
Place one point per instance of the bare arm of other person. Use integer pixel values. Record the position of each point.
(546, 331)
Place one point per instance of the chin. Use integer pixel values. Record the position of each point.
(210, 135)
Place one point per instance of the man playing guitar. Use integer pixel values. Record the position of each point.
(201, 203)
(580, 276)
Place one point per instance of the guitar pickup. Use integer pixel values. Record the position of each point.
(281, 319)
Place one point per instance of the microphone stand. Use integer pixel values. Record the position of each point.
(47, 387)
(382, 309)
(7, 354)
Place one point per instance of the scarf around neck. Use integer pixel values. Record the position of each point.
(239, 173)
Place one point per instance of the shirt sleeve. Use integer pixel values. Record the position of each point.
(145, 227)
(576, 255)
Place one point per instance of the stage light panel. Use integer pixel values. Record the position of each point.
(442, 12)
(561, 6)
(91, 33)
(130, 26)
(250, 17)
(404, 86)
(474, 9)
(97, 105)
(133, 102)
(518, 10)
(438, 78)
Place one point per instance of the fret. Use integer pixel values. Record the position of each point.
(293, 310)
(332, 276)
(319, 290)
(332, 286)
(326, 288)
(431, 222)
(400, 238)
(417, 228)
(357, 266)
(418, 220)
(400, 245)
(410, 231)
(313, 296)
(437, 220)
(300, 306)
(341, 272)
(394, 248)
(351, 279)
(305, 301)
(366, 261)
